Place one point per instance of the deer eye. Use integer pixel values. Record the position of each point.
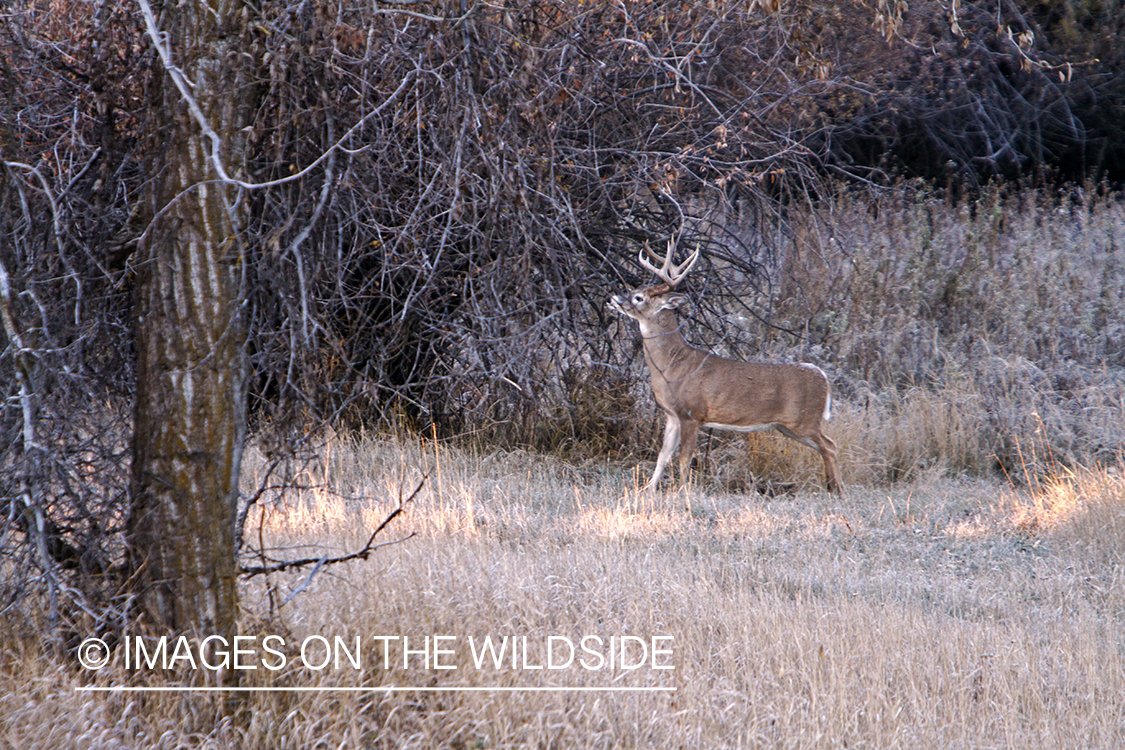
(638, 299)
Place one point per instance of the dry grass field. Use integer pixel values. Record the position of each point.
(937, 613)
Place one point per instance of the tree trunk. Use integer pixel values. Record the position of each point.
(190, 414)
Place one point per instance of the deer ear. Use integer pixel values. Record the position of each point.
(672, 301)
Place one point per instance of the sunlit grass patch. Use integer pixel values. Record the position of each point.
(944, 612)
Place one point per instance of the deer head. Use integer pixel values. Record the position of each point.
(645, 304)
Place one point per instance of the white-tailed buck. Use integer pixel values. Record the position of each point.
(697, 389)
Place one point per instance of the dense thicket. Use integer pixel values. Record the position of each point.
(456, 188)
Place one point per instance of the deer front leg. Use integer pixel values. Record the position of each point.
(671, 439)
(689, 433)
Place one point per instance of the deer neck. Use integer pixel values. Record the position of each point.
(664, 346)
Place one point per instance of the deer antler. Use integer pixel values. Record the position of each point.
(668, 272)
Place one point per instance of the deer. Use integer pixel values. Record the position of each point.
(695, 388)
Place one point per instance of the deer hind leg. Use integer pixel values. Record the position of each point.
(671, 439)
(827, 449)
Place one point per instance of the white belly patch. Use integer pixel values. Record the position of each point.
(741, 428)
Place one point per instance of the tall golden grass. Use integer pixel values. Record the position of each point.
(936, 613)
(968, 329)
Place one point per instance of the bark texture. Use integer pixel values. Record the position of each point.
(191, 358)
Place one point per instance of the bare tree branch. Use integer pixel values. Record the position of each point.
(323, 560)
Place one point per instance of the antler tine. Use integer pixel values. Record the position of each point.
(679, 272)
(670, 273)
(661, 272)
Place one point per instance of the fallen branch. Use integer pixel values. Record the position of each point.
(322, 561)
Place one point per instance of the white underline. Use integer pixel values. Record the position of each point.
(381, 689)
